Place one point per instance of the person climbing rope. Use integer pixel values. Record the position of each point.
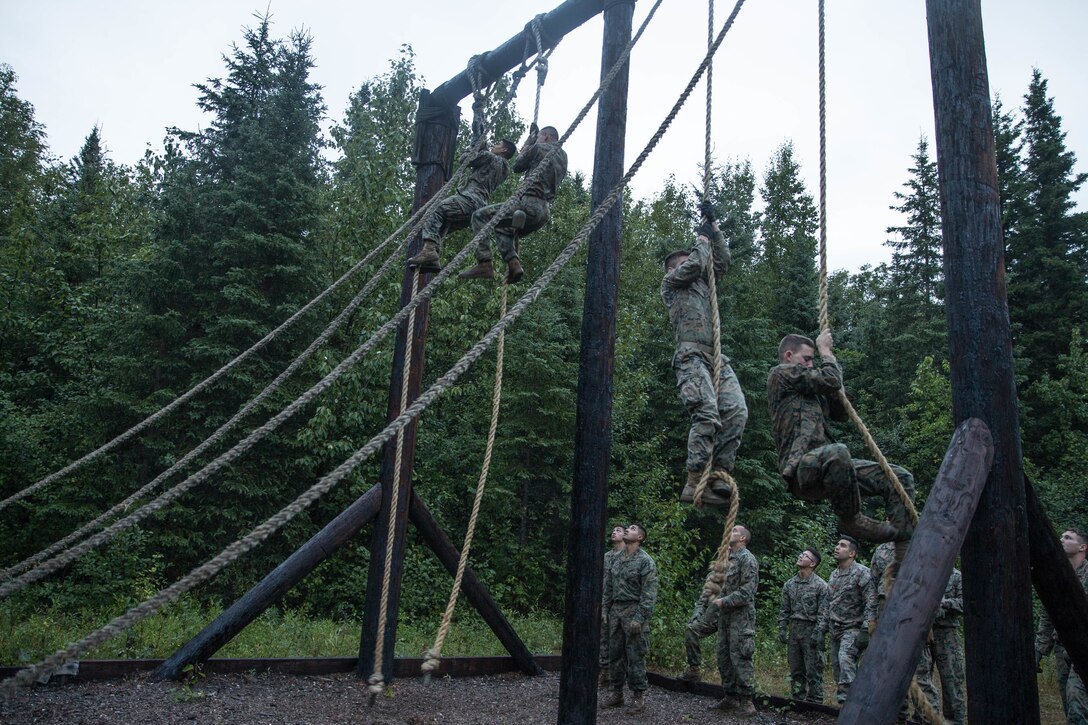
(801, 398)
(530, 214)
(489, 169)
(717, 421)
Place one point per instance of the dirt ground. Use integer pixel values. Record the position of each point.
(271, 698)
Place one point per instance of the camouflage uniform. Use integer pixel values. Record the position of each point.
(801, 401)
(716, 425)
(947, 650)
(630, 592)
(1071, 686)
(609, 558)
(455, 211)
(851, 604)
(703, 622)
(534, 203)
(803, 600)
(737, 625)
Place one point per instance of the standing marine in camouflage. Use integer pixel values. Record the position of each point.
(717, 421)
(1070, 684)
(616, 539)
(737, 626)
(804, 598)
(702, 624)
(946, 649)
(488, 170)
(802, 398)
(851, 607)
(544, 163)
(630, 592)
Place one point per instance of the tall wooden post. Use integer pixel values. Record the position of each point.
(593, 436)
(436, 135)
(997, 598)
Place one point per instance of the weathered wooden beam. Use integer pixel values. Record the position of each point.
(271, 589)
(1056, 584)
(471, 586)
(593, 431)
(436, 136)
(507, 56)
(997, 604)
(889, 663)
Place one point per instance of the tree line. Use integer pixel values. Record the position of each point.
(123, 286)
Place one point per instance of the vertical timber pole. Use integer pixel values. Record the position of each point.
(593, 436)
(436, 135)
(997, 598)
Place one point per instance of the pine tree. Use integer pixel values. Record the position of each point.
(916, 265)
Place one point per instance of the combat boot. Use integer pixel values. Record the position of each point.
(604, 678)
(746, 708)
(710, 498)
(725, 704)
(514, 272)
(864, 528)
(638, 704)
(482, 270)
(691, 674)
(617, 698)
(427, 259)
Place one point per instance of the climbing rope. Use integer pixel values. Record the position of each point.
(266, 529)
(377, 677)
(920, 702)
(541, 64)
(433, 655)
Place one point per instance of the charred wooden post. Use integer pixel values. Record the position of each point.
(271, 589)
(997, 604)
(473, 588)
(436, 135)
(1056, 584)
(593, 436)
(889, 663)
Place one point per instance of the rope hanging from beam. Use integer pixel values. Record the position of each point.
(262, 532)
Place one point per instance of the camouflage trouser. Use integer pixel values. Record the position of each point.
(716, 427)
(452, 213)
(736, 646)
(602, 654)
(701, 625)
(947, 650)
(829, 472)
(1074, 694)
(923, 675)
(845, 654)
(627, 654)
(804, 652)
(536, 216)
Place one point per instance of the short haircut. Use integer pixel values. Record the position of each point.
(793, 343)
(674, 254)
(747, 533)
(641, 529)
(1081, 536)
(551, 132)
(509, 147)
(814, 554)
(852, 542)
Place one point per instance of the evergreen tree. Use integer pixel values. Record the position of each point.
(1010, 175)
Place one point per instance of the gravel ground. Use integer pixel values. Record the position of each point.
(272, 698)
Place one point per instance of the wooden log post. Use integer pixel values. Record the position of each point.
(271, 589)
(593, 436)
(997, 602)
(1057, 585)
(436, 135)
(478, 595)
(889, 663)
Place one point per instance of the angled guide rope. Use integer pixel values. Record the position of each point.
(259, 534)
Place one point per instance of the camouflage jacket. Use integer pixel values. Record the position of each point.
(951, 602)
(882, 557)
(851, 599)
(1045, 637)
(799, 402)
(741, 581)
(803, 600)
(632, 580)
(488, 171)
(547, 181)
(687, 295)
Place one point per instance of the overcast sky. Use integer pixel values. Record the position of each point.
(130, 65)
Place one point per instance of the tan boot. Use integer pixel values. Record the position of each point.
(864, 528)
(725, 704)
(709, 497)
(514, 272)
(427, 259)
(638, 704)
(482, 270)
(746, 708)
(691, 674)
(616, 700)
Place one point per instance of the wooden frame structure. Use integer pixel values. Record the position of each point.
(998, 616)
